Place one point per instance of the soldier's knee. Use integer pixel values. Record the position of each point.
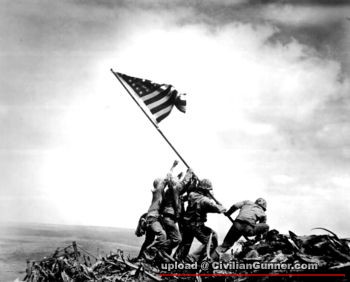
(178, 240)
(260, 228)
(161, 235)
(175, 241)
(264, 227)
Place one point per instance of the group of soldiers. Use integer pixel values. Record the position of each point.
(178, 213)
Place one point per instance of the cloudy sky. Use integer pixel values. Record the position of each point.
(268, 102)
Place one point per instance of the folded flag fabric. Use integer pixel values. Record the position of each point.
(159, 98)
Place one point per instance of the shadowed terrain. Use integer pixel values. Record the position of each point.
(19, 242)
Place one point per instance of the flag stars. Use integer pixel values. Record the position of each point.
(162, 100)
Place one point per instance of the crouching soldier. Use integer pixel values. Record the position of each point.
(199, 204)
(251, 221)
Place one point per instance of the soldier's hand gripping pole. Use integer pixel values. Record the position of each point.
(217, 202)
(214, 199)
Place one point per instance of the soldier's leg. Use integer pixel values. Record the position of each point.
(181, 225)
(202, 234)
(155, 228)
(185, 245)
(159, 232)
(234, 233)
(172, 232)
(148, 241)
(260, 229)
(158, 245)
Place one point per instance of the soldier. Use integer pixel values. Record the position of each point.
(155, 234)
(250, 221)
(152, 224)
(199, 204)
(171, 209)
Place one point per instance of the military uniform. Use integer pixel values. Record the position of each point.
(250, 221)
(194, 225)
(155, 232)
(171, 209)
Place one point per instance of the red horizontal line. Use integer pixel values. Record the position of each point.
(252, 274)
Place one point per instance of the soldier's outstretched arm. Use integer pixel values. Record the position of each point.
(212, 207)
(169, 176)
(234, 207)
(182, 186)
(175, 163)
(170, 179)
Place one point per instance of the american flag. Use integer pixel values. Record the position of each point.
(159, 98)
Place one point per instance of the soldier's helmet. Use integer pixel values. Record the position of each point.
(262, 203)
(205, 184)
(156, 182)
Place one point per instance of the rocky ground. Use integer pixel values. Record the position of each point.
(327, 256)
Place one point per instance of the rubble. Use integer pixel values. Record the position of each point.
(72, 263)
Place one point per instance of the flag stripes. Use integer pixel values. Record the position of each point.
(159, 98)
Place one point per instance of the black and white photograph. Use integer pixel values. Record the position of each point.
(174, 140)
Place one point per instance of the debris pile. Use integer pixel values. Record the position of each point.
(304, 254)
(73, 263)
(329, 253)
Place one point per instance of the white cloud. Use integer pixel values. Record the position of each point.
(282, 179)
(238, 83)
(341, 181)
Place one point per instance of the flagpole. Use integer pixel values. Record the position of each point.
(151, 120)
(161, 133)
